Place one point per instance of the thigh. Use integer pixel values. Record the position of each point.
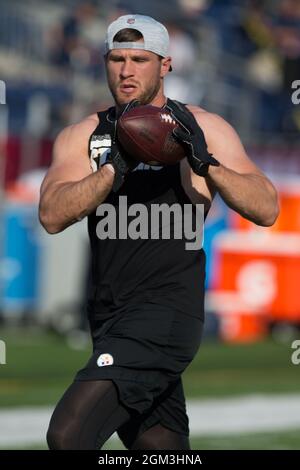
(86, 416)
(146, 350)
(168, 410)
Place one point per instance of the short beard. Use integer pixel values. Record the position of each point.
(149, 95)
(145, 98)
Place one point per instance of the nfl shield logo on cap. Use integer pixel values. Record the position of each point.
(131, 21)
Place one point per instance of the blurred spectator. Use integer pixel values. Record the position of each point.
(194, 8)
(263, 67)
(184, 57)
(287, 38)
(68, 49)
(226, 54)
(275, 63)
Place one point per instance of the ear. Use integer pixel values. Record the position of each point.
(165, 66)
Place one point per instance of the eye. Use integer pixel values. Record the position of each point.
(116, 58)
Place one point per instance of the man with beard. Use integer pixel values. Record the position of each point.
(145, 303)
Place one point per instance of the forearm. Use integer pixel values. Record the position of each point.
(71, 201)
(252, 196)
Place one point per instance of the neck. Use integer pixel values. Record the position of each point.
(159, 101)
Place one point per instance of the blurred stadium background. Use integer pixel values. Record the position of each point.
(240, 59)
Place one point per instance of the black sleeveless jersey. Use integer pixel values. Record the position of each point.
(128, 271)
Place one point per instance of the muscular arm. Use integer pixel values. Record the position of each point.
(240, 183)
(251, 195)
(70, 190)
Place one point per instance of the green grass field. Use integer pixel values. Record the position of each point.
(40, 366)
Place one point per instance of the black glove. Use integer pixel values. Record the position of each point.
(118, 158)
(191, 136)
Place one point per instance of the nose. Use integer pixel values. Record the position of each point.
(127, 69)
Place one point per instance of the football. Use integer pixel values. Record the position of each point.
(145, 133)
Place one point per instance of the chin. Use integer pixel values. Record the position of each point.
(121, 100)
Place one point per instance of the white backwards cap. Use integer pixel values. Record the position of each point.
(155, 34)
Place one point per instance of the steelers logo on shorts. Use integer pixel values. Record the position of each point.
(105, 360)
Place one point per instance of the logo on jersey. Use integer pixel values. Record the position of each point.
(100, 146)
(105, 360)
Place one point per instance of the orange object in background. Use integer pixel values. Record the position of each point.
(243, 327)
(256, 281)
(18, 192)
(289, 217)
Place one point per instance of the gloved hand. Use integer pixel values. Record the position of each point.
(118, 158)
(191, 136)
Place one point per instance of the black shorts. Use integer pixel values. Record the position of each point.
(144, 351)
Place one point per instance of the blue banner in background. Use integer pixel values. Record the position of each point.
(21, 256)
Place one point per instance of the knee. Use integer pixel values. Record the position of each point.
(55, 439)
(59, 438)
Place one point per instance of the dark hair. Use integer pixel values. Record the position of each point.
(128, 35)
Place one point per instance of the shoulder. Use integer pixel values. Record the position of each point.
(73, 140)
(211, 123)
(220, 136)
(80, 130)
(223, 141)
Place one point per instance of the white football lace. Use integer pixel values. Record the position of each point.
(167, 118)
